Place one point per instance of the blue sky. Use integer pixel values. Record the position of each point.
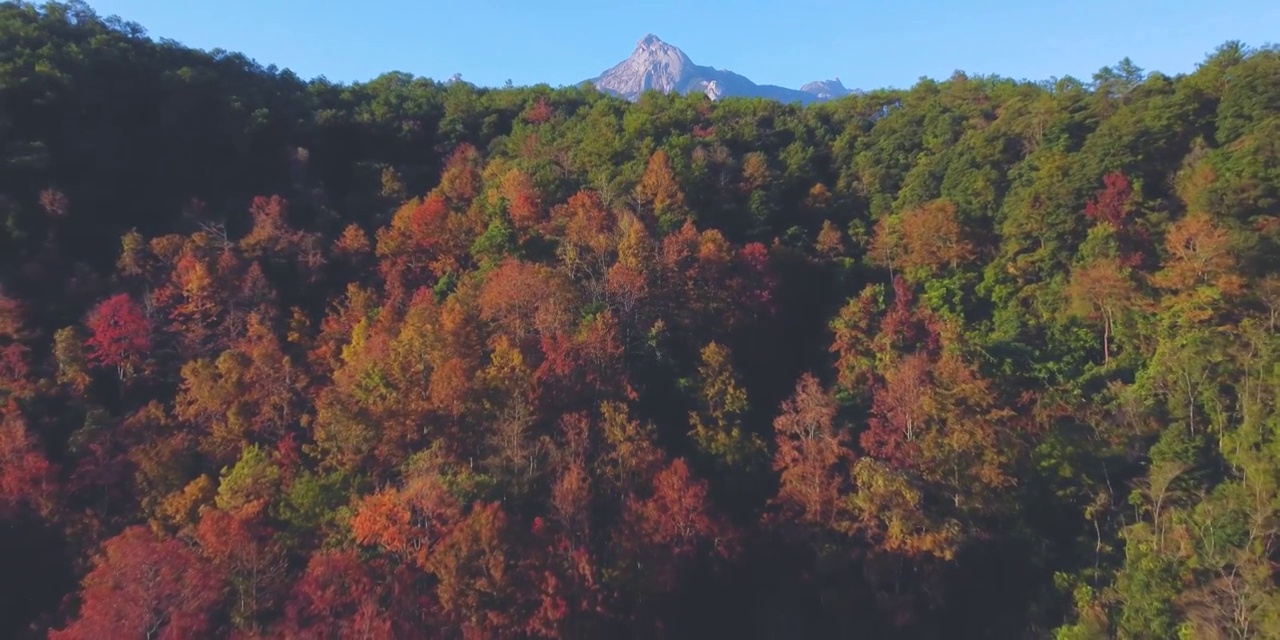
(867, 44)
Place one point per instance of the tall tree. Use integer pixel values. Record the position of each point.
(119, 335)
(659, 193)
(1103, 290)
(813, 454)
(144, 586)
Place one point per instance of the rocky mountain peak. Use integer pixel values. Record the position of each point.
(826, 89)
(657, 65)
(650, 41)
(653, 65)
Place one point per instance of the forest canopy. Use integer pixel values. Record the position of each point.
(979, 358)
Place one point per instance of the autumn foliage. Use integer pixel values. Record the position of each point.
(404, 359)
(922, 240)
(119, 335)
(142, 586)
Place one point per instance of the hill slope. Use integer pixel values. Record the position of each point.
(418, 359)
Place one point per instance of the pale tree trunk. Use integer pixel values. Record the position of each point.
(1106, 338)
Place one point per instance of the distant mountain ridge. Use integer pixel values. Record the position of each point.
(664, 67)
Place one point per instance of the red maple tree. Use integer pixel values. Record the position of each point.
(119, 334)
(144, 586)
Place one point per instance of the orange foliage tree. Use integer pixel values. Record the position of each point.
(921, 241)
(812, 458)
(659, 193)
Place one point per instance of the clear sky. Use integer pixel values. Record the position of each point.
(868, 44)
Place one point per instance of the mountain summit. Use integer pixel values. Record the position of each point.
(653, 65)
(826, 89)
(664, 67)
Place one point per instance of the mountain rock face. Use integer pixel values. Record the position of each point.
(656, 65)
(826, 89)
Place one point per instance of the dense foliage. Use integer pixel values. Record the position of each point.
(981, 358)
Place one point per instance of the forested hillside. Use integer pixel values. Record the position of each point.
(983, 358)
